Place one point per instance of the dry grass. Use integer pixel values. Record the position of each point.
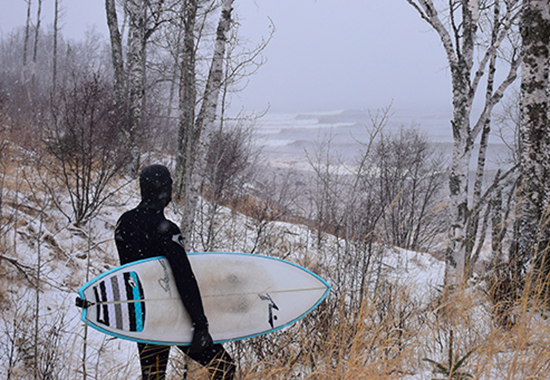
(390, 341)
(386, 336)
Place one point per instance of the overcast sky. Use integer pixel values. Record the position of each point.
(326, 54)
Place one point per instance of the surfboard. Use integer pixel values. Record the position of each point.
(244, 295)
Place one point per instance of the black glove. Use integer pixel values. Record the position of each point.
(202, 341)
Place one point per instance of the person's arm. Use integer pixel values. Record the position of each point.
(186, 283)
(188, 289)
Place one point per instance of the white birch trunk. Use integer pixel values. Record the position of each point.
(27, 33)
(473, 221)
(534, 133)
(463, 144)
(459, 42)
(119, 83)
(136, 72)
(207, 114)
(187, 99)
(35, 48)
(205, 120)
(37, 32)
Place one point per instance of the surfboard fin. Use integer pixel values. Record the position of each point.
(83, 304)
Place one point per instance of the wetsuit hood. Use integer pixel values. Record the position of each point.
(156, 185)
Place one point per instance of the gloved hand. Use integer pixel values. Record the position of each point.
(202, 341)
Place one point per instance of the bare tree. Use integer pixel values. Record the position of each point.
(410, 177)
(463, 40)
(390, 196)
(178, 48)
(37, 31)
(87, 155)
(56, 28)
(119, 82)
(144, 18)
(228, 169)
(187, 99)
(191, 130)
(27, 32)
(533, 231)
(55, 38)
(136, 12)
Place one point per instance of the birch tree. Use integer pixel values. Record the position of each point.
(191, 129)
(470, 53)
(187, 98)
(129, 82)
(533, 231)
(56, 28)
(37, 32)
(135, 10)
(183, 25)
(55, 37)
(119, 83)
(27, 33)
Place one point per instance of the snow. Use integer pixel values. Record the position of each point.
(70, 255)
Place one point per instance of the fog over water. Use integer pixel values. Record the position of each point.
(287, 138)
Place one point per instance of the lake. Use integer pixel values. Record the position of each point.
(287, 137)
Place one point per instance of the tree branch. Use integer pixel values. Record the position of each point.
(497, 96)
(507, 23)
(21, 268)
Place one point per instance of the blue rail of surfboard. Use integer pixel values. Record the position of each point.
(99, 328)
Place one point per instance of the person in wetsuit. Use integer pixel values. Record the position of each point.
(145, 232)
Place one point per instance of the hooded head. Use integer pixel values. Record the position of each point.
(156, 185)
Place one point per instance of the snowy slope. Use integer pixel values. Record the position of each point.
(35, 230)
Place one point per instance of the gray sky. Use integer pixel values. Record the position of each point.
(326, 54)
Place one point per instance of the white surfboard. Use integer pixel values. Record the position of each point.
(244, 295)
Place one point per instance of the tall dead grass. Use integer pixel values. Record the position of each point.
(392, 336)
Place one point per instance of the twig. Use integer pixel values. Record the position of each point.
(22, 268)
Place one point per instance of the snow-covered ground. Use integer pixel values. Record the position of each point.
(35, 230)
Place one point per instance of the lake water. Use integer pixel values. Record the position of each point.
(287, 138)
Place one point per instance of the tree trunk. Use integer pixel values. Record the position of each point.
(461, 66)
(187, 99)
(119, 83)
(27, 33)
(459, 42)
(53, 102)
(136, 10)
(55, 36)
(37, 32)
(473, 220)
(206, 116)
(533, 232)
(191, 130)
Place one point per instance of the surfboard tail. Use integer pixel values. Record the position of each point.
(82, 303)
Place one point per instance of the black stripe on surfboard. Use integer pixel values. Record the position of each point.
(133, 285)
(98, 300)
(102, 310)
(130, 295)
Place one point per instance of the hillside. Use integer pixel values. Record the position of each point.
(384, 317)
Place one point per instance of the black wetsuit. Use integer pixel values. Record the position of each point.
(145, 232)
